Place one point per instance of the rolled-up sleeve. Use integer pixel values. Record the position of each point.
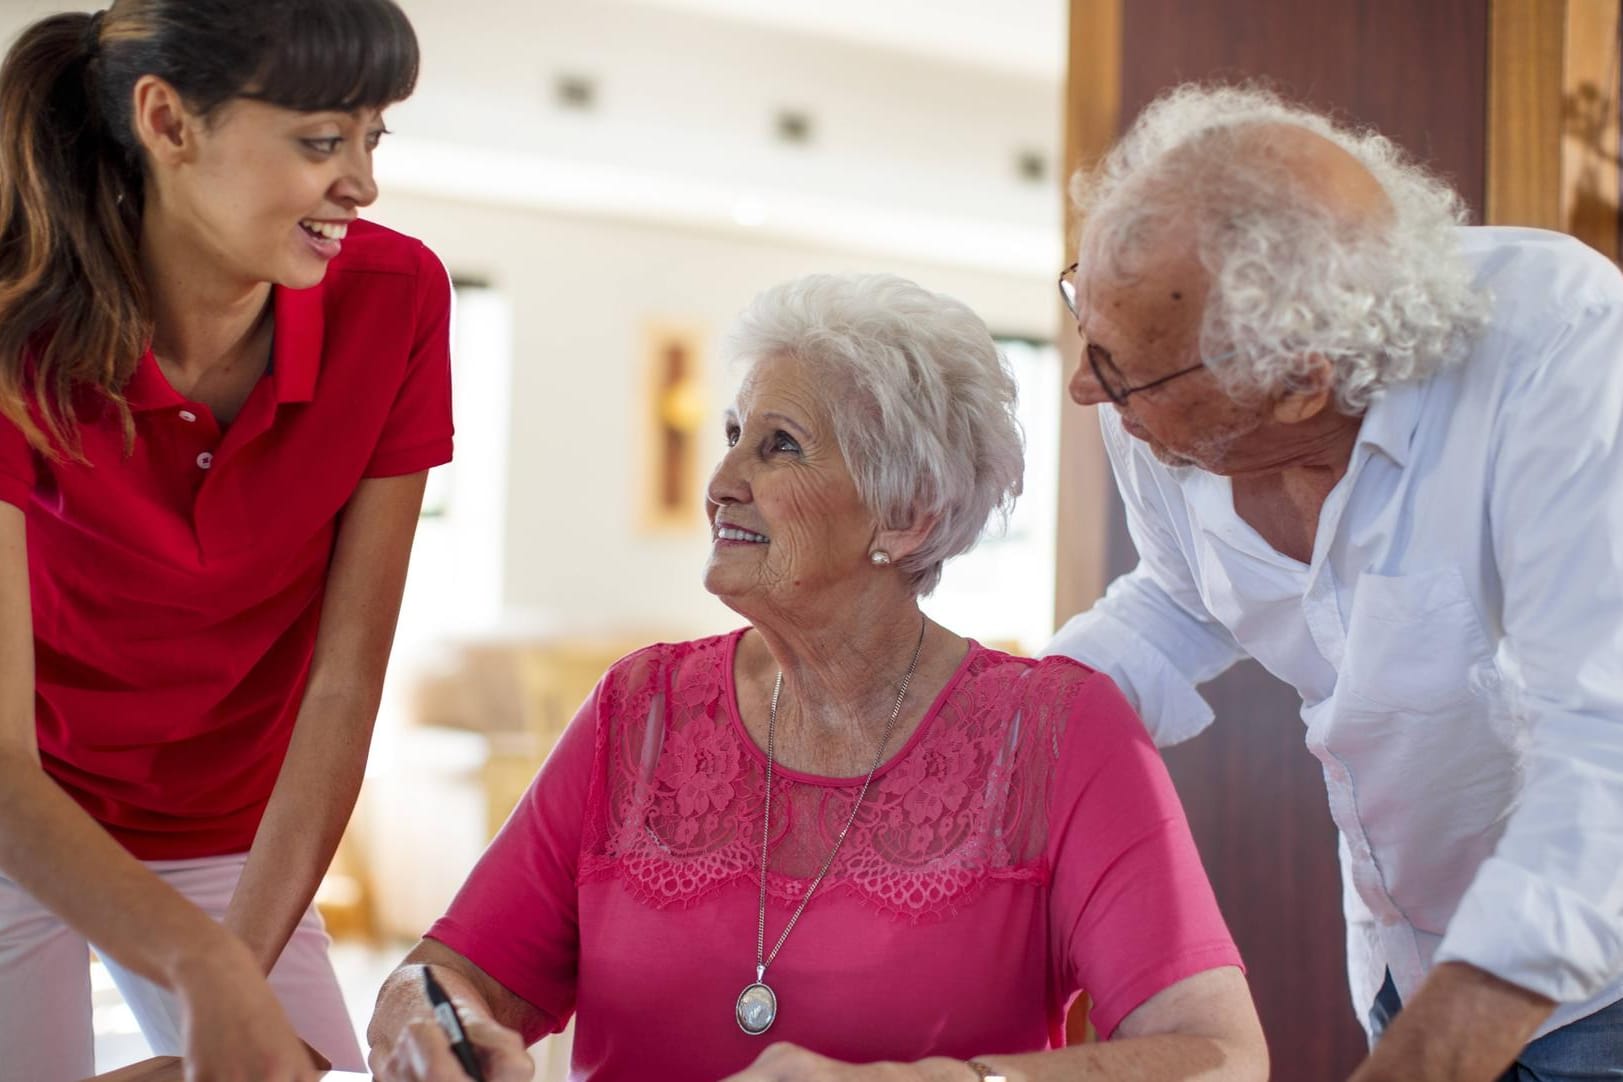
(1151, 632)
(1546, 910)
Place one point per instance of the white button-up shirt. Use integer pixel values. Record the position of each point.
(1457, 638)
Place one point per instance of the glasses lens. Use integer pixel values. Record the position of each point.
(1067, 290)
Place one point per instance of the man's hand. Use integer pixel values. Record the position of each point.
(1463, 1025)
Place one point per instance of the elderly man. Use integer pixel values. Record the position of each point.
(1383, 455)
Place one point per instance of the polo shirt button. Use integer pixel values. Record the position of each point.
(188, 416)
(205, 460)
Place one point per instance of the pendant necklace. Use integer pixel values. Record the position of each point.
(757, 1006)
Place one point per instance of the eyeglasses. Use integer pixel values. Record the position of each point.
(1105, 372)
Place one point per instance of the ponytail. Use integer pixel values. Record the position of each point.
(73, 307)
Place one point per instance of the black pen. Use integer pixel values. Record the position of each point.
(451, 1023)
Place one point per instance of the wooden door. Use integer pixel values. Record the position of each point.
(1255, 797)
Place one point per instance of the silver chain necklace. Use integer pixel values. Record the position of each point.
(757, 1006)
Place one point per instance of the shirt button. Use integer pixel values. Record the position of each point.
(188, 416)
(205, 460)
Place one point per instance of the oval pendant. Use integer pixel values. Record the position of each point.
(757, 1009)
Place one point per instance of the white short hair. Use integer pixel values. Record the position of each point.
(922, 400)
(1384, 301)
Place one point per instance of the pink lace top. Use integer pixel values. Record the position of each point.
(1024, 844)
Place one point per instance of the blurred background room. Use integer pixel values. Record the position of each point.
(609, 181)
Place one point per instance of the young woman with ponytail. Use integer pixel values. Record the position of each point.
(219, 394)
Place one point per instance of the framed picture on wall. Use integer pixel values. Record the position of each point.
(671, 411)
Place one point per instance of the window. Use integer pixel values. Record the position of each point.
(1001, 593)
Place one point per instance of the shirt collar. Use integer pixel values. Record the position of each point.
(147, 389)
(295, 355)
(1390, 422)
(1388, 426)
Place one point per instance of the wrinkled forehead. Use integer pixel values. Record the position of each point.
(760, 374)
(779, 381)
(1148, 290)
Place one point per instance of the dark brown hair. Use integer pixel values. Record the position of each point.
(74, 313)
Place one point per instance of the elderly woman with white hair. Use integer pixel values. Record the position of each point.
(843, 842)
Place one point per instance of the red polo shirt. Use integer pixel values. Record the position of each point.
(176, 591)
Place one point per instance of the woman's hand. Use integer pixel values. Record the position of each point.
(421, 1052)
(784, 1062)
(235, 1030)
(408, 1045)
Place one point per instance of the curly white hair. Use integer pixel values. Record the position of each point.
(1383, 298)
(922, 400)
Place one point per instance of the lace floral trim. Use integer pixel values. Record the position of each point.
(675, 810)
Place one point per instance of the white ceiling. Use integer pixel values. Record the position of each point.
(920, 109)
(1022, 36)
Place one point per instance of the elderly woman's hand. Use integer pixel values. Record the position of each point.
(421, 1052)
(784, 1062)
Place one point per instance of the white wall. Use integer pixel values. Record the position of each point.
(909, 150)
(581, 291)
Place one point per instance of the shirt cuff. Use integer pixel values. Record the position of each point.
(1535, 934)
(504, 970)
(1109, 1010)
(15, 491)
(423, 456)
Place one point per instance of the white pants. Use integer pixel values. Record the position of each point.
(45, 1024)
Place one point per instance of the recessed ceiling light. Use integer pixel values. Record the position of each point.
(793, 126)
(575, 92)
(1031, 166)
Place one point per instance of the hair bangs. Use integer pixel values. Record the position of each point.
(338, 56)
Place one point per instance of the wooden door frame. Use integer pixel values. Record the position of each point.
(1092, 118)
(1552, 139)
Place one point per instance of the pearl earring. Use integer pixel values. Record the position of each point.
(880, 557)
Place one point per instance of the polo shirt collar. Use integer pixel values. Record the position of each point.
(296, 352)
(295, 355)
(147, 389)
